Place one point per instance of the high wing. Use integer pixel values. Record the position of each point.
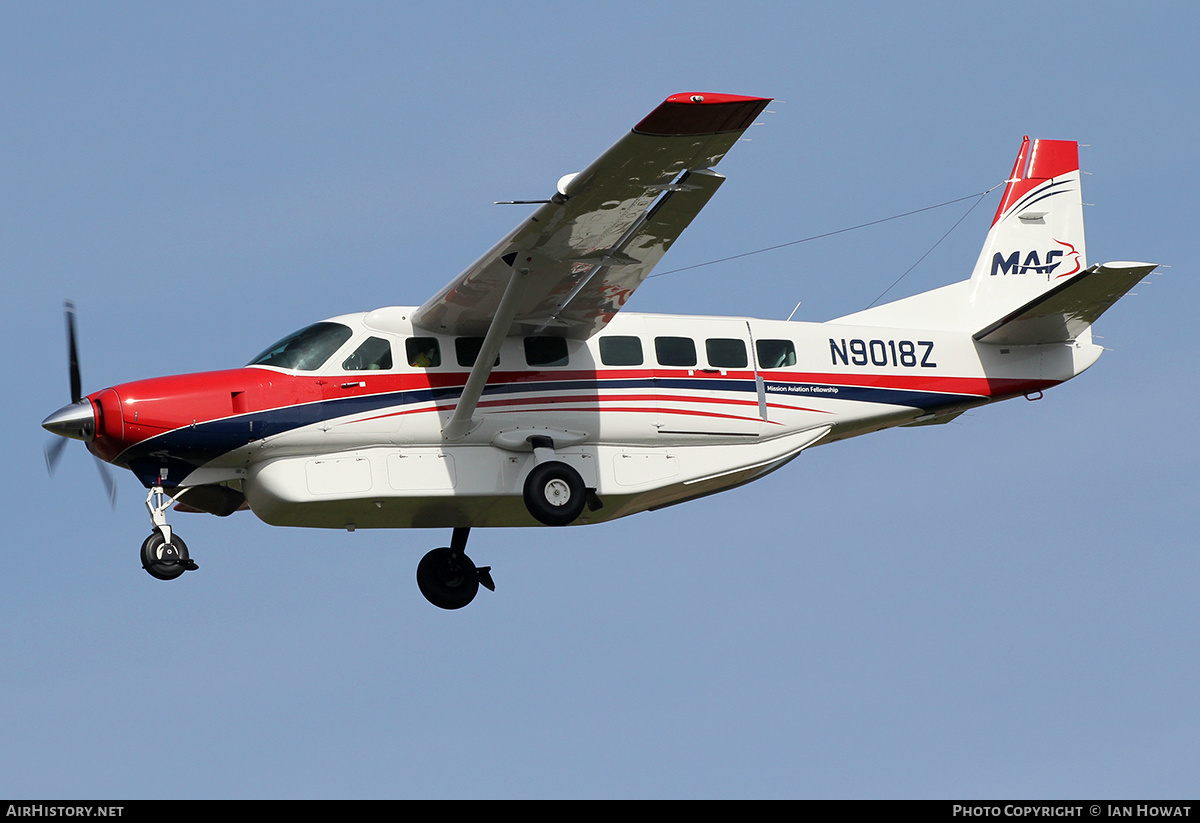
(571, 265)
(585, 251)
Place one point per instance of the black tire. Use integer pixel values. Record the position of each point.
(447, 581)
(165, 562)
(555, 494)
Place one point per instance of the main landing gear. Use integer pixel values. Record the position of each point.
(554, 492)
(448, 578)
(164, 554)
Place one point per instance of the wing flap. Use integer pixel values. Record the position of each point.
(1062, 313)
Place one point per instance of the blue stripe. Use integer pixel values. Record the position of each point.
(182, 450)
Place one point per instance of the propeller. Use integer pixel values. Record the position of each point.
(54, 449)
(73, 353)
(76, 421)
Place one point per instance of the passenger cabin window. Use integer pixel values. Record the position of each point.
(675, 351)
(546, 351)
(725, 353)
(307, 349)
(375, 354)
(423, 352)
(466, 351)
(621, 351)
(775, 354)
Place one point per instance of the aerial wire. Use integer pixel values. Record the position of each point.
(978, 200)
(978, 197)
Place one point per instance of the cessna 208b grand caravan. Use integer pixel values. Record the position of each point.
(521, 394)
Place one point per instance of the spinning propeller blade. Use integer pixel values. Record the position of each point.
(106, 477)
(68, 422)
(54, 449)
(73, 353)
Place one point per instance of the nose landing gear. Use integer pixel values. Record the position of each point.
(164, 554)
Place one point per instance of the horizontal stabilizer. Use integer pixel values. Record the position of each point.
(1065, 311)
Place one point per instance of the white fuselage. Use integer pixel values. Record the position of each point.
(648, 420)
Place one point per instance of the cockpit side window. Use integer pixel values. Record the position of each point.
(423, 352)
(375, 354)
(307, 349)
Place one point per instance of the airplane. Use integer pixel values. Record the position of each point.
(522, 394)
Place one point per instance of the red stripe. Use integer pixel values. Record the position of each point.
(150, 407)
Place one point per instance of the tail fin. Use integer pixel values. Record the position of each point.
(1036, 240)
(1031, 283)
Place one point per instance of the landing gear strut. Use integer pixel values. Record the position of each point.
(164, 554)
(448, 578)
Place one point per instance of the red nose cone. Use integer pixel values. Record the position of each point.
(110, 429)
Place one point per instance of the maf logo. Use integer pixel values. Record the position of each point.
(1032, 262)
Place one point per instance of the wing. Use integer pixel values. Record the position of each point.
(584, 252)
(570, 266)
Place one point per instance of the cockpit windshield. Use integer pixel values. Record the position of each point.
(307, 349)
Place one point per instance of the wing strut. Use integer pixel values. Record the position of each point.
(462, 421)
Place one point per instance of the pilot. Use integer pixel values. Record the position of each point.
(424, 358)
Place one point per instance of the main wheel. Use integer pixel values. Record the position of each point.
(447, 580)
(164, 560)
(554, 493)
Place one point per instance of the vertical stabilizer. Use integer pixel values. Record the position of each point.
(1036, 239)
(1032, 284)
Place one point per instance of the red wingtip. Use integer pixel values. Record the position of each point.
(706, 98)
(702, 113)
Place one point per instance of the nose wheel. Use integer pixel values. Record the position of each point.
(448, 578)
(164, 554)
(164, 560)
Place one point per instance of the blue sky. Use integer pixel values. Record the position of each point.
(1003, 606)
